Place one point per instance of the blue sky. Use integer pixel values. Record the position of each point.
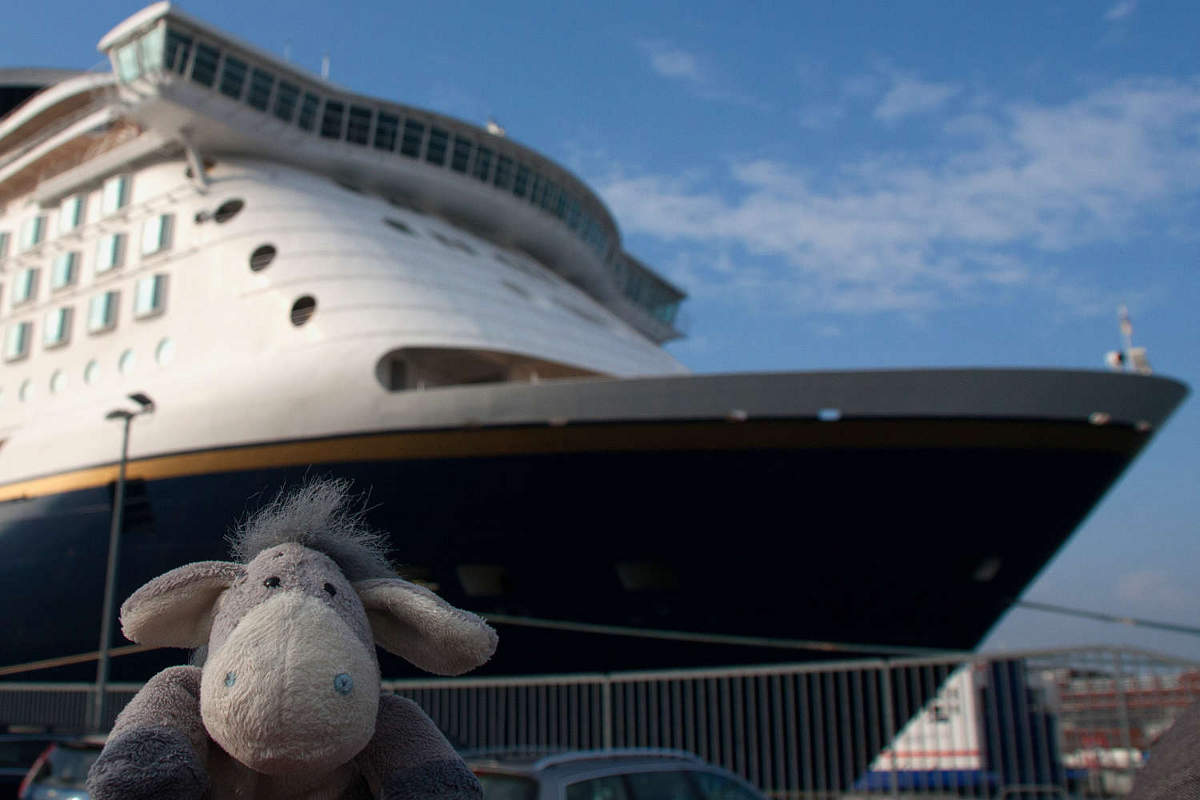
(845, 185)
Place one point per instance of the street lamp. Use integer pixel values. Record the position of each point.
(145, 406)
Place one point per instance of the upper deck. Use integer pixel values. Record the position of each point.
(215, 95)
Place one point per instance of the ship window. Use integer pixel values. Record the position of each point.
(504, 170)
(414, 133)
(151, 46)
(70, 214)
(179, 47)
(435, 152)
(25, 393)
(386, 126)
(110, 251)
(156, 234)
(16, 341)
(308, 111)
(165, 352)
(572, 213)
(453, 243)
(400, 226)
(102, 312)
(285, 100)
(204, 67)
(358, 127)
(461, 155)
(392, 372)
(25, 286)
(262, 257)
(259, 95)
(58, 381)
(128, 68)
(65, 270)
(483, 164)
(126, 362)
(115, 194)
(228, 210)
(303, 309)
(331, 120)
(150, 296)
(33, 230)
(535, 189)
(233, 77)
(521, 182)
(56, 330)
(4, 237)
(91, 373)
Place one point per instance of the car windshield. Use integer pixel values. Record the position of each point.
(506, 787)
(661, 786)
(67, 766)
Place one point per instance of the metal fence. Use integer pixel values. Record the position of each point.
(1066, 723)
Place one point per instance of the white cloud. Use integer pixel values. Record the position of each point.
(909, 95)
(889, 232)
(1121, 10)
(672, 62)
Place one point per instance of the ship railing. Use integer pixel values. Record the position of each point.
(104, 98)
(1056, 723)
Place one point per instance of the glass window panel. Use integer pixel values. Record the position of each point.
(25, 286)
(461, 156)
(233, 77)
(16, 341)
(149, 295)
(386, 126)
(308, 111)
(156, 234)
(102, 312)
(128, 68)
(32, 232)
(4, 237)
(498, 786)
(115, 194)
(661, 786)
(720, 787)
(152, 49)
(611, 787)
(261, 83)
(109, 252)
(483, 164)
(64, 270)
(70, 214)
(358, 125)
(204, 67)
(535, 189)
(179, 47)
(331, 120)
(285, 100)
(504, 172)
(414, 133)
(435, 152)
(521, 182)
(56, 329)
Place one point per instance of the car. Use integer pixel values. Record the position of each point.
(620, 774)
(17, 752)
(60, 771)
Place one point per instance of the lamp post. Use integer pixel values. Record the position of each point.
(145, 406)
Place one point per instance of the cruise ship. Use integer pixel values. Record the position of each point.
(281, 278)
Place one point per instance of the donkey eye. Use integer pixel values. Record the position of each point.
(329, 588)
(271, 582)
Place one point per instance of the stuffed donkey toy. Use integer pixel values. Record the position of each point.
(288, 702)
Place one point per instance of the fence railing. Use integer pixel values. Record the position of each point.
(1066, 723)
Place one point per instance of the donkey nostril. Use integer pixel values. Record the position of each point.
(271, 582)
(330, 588)
(230, 678)
(343, 683)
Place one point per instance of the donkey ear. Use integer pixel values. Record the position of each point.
(422, 628)
(176, 608)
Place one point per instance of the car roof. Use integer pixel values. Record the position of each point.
(562, 763)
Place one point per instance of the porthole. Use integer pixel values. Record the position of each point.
(165, 352)
(91, 373)
(228, 210)
(262, 257)
(26, 392)
(303, 309)
(400, 226)
(126, 362)
(58, 381)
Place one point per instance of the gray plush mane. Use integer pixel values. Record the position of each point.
(317, 516)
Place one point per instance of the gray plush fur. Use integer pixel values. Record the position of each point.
(320, 517)
(288, 703)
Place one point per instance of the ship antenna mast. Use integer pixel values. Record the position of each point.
(1129, 358)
